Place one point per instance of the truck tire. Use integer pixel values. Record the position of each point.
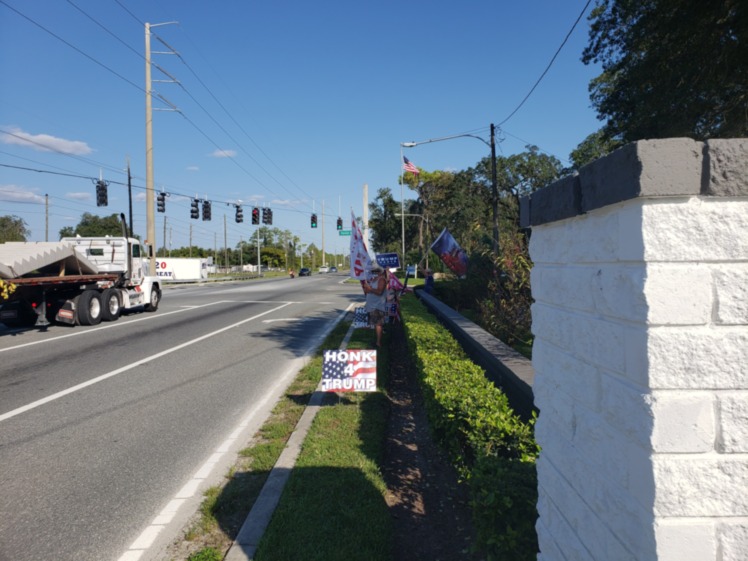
(111, 306)
(152, 306)
(89, 308)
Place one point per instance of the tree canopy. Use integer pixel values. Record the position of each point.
(92, 225)
(13, 229)
(670, 68)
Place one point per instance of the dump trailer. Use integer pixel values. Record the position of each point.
(76, 281)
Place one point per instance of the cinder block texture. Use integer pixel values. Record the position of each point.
(686, 541)
(728, 167)
(733, 419)
(641, 355)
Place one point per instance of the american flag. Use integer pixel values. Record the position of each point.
(408, 166)
(357, 372)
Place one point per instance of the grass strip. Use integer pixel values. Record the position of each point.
(333, 506)
(335, 494)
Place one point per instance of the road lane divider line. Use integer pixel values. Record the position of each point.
(73, 389)
(109, 326)
(148, 318)
(145, 540)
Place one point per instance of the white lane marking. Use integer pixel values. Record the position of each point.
(103, 327)
(103, 377)
(144, 541)
(282, 319)
(148, 318)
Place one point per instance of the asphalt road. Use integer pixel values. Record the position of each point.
(109, 434)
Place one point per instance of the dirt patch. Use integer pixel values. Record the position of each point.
(430, 507)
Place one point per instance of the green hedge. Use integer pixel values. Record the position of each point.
(493, 449)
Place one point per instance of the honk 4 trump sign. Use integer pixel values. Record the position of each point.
(349, 371)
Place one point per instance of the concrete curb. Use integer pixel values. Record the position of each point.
(249, 536)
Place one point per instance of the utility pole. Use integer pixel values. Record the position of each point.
(164, 237)
(149, 203)
(494, 194)
(258, 252)
(225, 244)
(129, 196)
(190, 239)
(323, 234)
(46, 218)
(149, 191)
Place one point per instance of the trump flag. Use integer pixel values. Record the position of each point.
(451, 254)
(360, 260)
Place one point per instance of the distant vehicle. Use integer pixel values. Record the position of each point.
(305, 272)
(333, 269)
(324, 269)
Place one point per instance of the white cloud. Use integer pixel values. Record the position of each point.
(223, 153)
(193, 168)
(16, 194)
(44, 142)
(80, 196)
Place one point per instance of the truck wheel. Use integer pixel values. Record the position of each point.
(152, 306)
(89, 308)
(111, 306)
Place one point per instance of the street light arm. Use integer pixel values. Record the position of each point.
(414, 144)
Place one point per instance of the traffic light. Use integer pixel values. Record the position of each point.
(267, 216)
(340, 223)
(255, 216)
(161, 202)
(206, 210)
(194, 211)
(101, 194)
(239, 214)
(314, 220)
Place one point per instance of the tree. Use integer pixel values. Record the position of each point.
(13, 229)
(92, 225)
(670, 68)
(595, 146)
(385, 224)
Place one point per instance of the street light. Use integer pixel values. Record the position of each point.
(494, 187)
(426, 219)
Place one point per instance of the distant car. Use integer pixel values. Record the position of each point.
(305, 272)
(324, 269)
(333, 269)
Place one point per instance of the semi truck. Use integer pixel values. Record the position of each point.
(76, 281)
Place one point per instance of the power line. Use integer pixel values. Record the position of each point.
(549, 64)
(89, 57)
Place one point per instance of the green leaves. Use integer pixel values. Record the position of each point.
(670, 68)
(488, 443)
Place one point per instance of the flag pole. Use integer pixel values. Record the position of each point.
(402, 205)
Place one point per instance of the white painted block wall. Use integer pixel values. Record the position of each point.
(641, 365)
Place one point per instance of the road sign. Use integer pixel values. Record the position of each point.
(344, 232)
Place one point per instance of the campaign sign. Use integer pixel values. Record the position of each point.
(349, 371)
(388, 260)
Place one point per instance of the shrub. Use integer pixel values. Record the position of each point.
(503, 497)
(492, 448)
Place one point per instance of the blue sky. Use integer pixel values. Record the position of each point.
(288, 104)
